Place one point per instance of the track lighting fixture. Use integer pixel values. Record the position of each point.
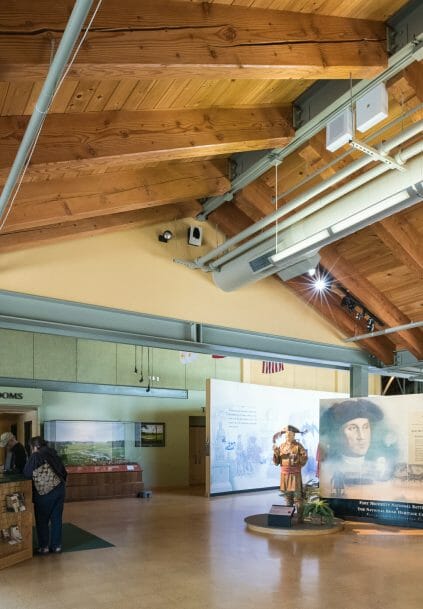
(370, 326)
(359, 311)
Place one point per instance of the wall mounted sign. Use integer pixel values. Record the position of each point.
(19, 396)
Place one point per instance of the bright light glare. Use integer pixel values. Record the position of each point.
(321, 284)
(311, 272)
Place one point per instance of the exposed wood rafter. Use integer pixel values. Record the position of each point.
(404, 242)
(329, 307)
(372, 298)
(156, 39)
(51, 202)
(95, 226)
(105, 140)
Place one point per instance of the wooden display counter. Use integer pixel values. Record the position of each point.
(103, 481)
(15, 526)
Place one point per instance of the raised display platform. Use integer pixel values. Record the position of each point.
(259, 524)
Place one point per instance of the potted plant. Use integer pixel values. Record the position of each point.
(319, 511)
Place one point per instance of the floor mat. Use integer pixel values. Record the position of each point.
(76, 539)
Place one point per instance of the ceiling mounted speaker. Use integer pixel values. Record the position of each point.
(339, 131)
(195, 235)
(371, 108)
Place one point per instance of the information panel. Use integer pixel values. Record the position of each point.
(372, 457)
(243, 419)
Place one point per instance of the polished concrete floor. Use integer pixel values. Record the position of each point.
(182, 551)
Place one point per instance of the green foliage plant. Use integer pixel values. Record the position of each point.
(319, 508)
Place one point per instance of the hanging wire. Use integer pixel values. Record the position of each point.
(148, 369)
(135, 359)
(141, 366)
(33, 355)
(352, 105)
(276, 208)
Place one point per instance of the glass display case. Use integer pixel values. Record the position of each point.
(95, 454)
(88, 442)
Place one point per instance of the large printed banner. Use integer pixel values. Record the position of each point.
(371, 452)
(243, 419)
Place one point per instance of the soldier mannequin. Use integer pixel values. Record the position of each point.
(291, 456)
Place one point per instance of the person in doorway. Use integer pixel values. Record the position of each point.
(291, 456)
(48, 475)
(15, 453)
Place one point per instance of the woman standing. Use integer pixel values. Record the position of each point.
(48, 475)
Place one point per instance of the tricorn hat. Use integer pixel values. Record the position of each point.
(280, 433)
(342, 412)
(290, 428)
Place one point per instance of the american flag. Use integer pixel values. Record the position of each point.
(271, 367)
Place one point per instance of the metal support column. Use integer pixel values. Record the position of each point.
(359, 381)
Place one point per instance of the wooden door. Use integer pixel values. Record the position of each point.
(197, 459)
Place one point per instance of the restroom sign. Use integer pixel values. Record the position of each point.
(19, 396)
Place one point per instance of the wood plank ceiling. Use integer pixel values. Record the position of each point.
(161, 93)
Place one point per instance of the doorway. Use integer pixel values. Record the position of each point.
(197, 452)
(27, 436)
(22, 422)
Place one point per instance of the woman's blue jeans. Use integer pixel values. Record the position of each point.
(48, 510)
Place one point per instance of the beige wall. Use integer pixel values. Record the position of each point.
(132, 270)
(305, 377)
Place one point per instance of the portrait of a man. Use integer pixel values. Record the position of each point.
(351, 445)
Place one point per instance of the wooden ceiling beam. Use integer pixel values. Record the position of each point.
(230, 219)
(403, 240)
(407, 88)
(56, 201)
(246, 207)
(156, 39)
(330, 309)
(316, 155)
(259, 195)
(88, 142)
(371, 298)
(95, 226)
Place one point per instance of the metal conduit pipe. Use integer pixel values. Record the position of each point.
(401, 138)
(370, 175)
(61, 57)
(310, 209)
(304, 239)
(366, 140)
(413, 324)
(405, 135)
(413, 51)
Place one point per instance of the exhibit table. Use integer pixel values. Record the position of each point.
(15, 519)
(103, 481)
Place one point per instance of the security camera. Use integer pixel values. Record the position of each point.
(166, 236)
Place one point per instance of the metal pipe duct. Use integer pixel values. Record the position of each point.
(69, 38)
(386, 147)
(380, 198)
